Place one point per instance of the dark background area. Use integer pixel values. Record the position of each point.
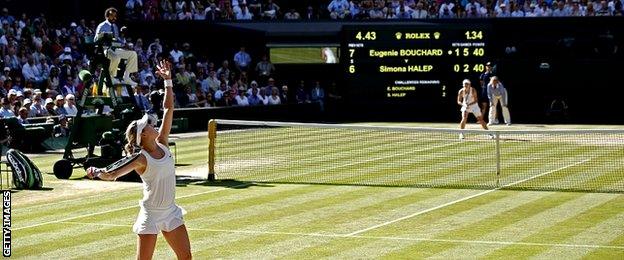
(577, 60)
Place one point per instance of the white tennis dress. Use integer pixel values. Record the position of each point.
(158, 209)
(474, 108)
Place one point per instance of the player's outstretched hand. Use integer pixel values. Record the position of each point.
(93, 172)
(163, 69)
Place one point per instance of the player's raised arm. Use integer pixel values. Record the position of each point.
(164, 71)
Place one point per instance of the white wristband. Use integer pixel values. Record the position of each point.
(168, 83)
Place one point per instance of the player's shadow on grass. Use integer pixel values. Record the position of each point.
(183, 181)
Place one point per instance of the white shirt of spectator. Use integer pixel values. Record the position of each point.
(70, 89)
(31, 72)
(244, 101)
(219, 94)
(131, 3)
(244, 15)
(6, 113)
(517, 13)
(242, 59)
(71, 110)
(338, 6)
(559, 12)
(545, 11)
(532, 13)
(200, 15)
(419, 14)
(175, 55)
(273, 100)
(448, 7)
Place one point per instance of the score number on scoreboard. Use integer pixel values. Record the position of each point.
(413, 63)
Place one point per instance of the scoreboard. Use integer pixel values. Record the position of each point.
(415, 65)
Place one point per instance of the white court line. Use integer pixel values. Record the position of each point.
(220, 189)
(124, 208)
(462, 241)
(461, 200)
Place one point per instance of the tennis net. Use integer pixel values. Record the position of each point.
(342, 154)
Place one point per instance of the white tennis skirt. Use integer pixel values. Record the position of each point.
(152, 221)
(474, 109)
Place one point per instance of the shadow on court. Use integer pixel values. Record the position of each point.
(183, 181)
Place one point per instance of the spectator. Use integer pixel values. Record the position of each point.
(145, 71)
(544, 10)
(418, 13)
(274, 98)
(66, 55)
(603, 10)
(27, 104)
(190, 97)
(62, 129)
(211, 83)
(292, 14)
(284, 95)
(560, 11)
(532, 12)
(224, 70)
(264, 68)
(37, 108)
(201, 98)
(244, 13)
(70, 105)
(497, 93)
(310, 14)
(31, 72)
(6, 111)
(302, 96)
(22, 119)
(516, 11)
(141, 100)
(59, 106)
(241, 98)
(338, 9)
(210, 102)
(221, 92)
(317, 94)
(183, 78)
(254, 98)
(242, 60)
(175, 53)
(70, 87)
(5, 17)
(270, 85)
(271, 10)
(212, 12)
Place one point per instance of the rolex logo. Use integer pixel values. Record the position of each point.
(398, 35)
(436, 35)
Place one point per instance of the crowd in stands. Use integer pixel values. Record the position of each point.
(224, 10)
(41, 62)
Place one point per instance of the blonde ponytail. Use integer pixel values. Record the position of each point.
(131, 132)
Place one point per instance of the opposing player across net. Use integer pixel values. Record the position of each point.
(338, 154)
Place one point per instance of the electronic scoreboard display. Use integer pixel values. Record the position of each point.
(419, 65)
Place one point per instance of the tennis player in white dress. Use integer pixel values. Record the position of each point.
(155, 164)
(467, 99)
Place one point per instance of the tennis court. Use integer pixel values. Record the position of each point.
(303, 193)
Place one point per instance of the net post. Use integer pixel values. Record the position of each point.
(212, 137)
(498, 158)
